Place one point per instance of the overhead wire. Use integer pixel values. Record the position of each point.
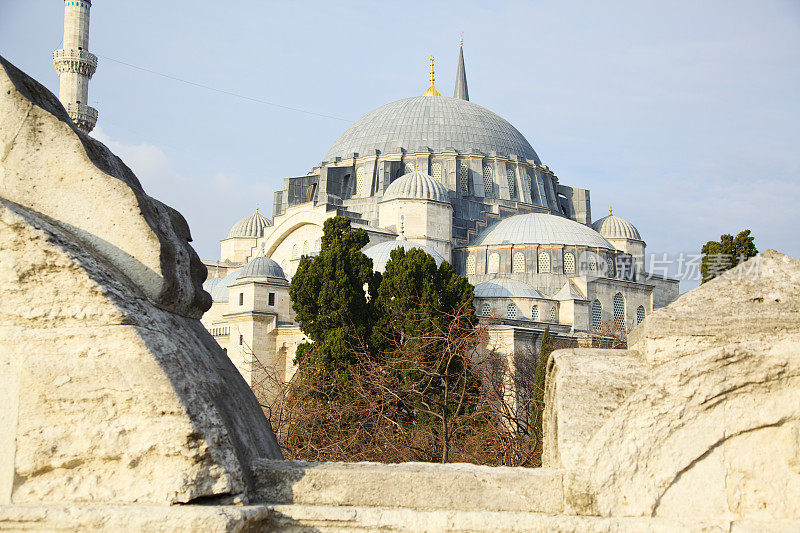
(223, 91)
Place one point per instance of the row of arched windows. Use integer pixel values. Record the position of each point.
(296, 253)
(618, 304)
(512, 312)
(518, 263)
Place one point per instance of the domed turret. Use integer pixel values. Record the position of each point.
(416, 186)
(614, 227)
(252, 226)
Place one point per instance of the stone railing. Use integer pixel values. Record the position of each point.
(82, 115)
(73, 60)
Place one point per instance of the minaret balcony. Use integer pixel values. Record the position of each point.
(73, 60)
(82, 115)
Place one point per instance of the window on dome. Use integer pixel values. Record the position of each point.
(494, 264)
(569, 263)
(619, 310)
(305, 247)
(470, 265)
(436, 171)
(361, 182)
(512, 181)
(597, 314)
(518, 263)
(592, 260)
(554, 314)
(463, 174)
(295, 252)
(639, 314)
(511, 312)
(488, 183)
(544, 262)
(486, 310)
(535, 313)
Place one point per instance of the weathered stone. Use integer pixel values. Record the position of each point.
(713, 427)
(110, 390)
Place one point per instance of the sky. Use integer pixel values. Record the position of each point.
(685, 115)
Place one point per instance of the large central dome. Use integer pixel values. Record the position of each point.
(438, 122)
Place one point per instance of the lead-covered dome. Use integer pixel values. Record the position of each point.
(505, 288)
(540, 228)
(416, 186)
(439, 122)
(380, 253)
(614, 227)
(252, 226)
(262, 267)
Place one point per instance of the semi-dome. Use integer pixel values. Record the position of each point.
(380, 253)
(614, 227)
(262, 266)
(418, 186)
(218, 287)
(540, 228)
(252, 226)
(505, 288)
(439, 122)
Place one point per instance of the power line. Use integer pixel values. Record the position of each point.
(222, 91)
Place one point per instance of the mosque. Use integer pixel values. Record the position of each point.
(450, 177)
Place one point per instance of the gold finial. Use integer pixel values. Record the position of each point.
(416, 165)
(432, 90)
(461, 41)
(610, 210)
(256, 208)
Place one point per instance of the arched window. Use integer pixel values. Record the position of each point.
(554, 314)
(436, 171)
(305, 247)
(535, 313)
(295, 252)
(569, 263)
(610, 267)
(592, 260)
(486, 310)
(639, 314)
(511, 311)
(518, 263)
(512, 181)
(544, 262)
(494, 263)
(488, 183)
(597, 314)
(409, 167)
(318, 245)
(463, 175)
(619, 309)
(361, 182)
(470, 265)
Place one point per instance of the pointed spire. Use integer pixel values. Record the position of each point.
(461, 90)
(432, 90)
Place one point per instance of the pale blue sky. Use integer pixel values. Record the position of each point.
(684, 114)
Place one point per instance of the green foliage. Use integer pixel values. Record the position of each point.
(537, 403)
(328, 296)
(726, 254)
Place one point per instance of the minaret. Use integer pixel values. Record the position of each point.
(75, 65)
(461, 75)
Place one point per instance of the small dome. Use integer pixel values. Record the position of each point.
(218, 287)
(540, 228)
(380, 253)
(262, 266)
(417, 186)
(505, 288)
(613, 227)
(252, 226)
